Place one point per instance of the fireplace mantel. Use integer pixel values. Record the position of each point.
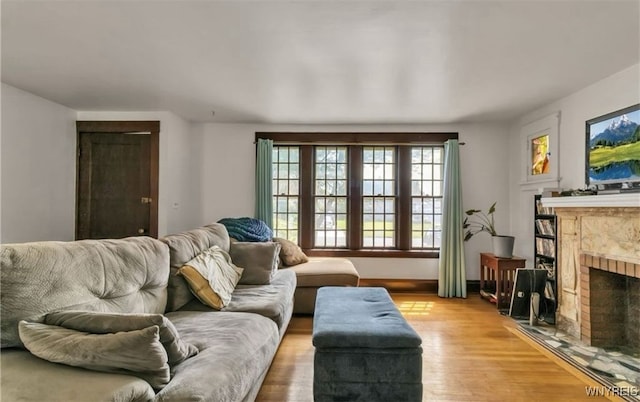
(594, 201)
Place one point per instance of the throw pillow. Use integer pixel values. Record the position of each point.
(137, 353)
(290, 253)
(259, 260)
(104, 323)
(212, 277)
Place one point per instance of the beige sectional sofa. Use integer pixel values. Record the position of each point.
(235, 346)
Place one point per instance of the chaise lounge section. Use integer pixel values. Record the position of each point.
(319, 272)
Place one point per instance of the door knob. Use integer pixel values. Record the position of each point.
(141, 231)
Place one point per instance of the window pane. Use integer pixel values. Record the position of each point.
(427, 155)
(283, 157)
(342, 155)
(437, 189)
(378, 187)
(294, 187)
(416, 171)
(416, 188)
(426, 192)
(286, 172)
(341, 206)
(294, 154)
(388, 188)
(437, 154)
(294, 171)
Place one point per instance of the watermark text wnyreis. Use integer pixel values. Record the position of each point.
(606, 391)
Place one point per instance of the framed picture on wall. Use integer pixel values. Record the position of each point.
(540, 150)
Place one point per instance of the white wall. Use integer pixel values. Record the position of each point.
(38, 168)
(179, 192)
(228, 183)
(612, 93)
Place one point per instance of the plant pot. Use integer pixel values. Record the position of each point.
(503, 246)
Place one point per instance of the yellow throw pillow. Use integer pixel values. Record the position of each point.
(212, 277)
(200, 287)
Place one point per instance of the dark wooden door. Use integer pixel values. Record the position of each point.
(116, 196)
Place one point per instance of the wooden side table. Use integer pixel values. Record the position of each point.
(502, 271)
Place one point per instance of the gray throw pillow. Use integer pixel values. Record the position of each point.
(290, 253)
(105, 323)
(138, 353)
(259, 260)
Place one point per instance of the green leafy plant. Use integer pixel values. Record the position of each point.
(478, 221)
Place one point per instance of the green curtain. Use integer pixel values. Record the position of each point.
(452, 275)
(264, 181)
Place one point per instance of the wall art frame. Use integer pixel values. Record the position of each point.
(539, 151)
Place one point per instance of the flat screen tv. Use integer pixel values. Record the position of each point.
(613, 149)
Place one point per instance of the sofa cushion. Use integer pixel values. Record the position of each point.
(137, 353)
(104, 323)
(212, 277)
(290, 253)
(273, 301)
(259, 260)
(26, 377)
(185, 246)
(124, 275)
(326, 271)
(236, 350)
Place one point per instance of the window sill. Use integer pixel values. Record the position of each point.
(372, 253)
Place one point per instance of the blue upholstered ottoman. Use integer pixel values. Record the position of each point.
(365, 349)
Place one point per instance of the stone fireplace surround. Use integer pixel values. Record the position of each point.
(598, 267)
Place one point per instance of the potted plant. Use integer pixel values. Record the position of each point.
(478, 221)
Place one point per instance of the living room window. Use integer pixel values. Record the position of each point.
(286, 190)
(427, 166)
(359, 194)
(330, 197)
(379, 197)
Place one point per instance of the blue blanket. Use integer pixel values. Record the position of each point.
(247, 229)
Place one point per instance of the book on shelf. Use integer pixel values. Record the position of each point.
(545, 227)
(542, 210)
(546, 247)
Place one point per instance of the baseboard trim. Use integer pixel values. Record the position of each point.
(413, 285)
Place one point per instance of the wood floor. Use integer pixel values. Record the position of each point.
(468, 355)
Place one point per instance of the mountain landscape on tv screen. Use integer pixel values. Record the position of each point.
(614, 153)
(619, 131)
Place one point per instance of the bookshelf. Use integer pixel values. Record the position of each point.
(545, 251)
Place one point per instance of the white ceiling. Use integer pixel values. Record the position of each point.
(316, 62)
